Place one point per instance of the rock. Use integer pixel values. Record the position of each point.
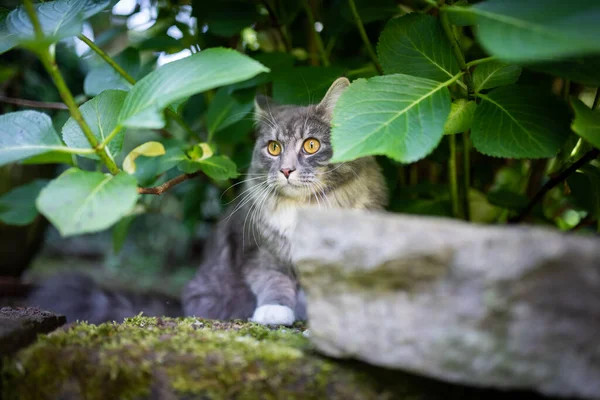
(20, 326)
(164, 359)
(504, 307)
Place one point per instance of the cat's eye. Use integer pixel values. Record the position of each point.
(274, 148)
(311, 145)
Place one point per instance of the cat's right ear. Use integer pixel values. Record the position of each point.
(263, 107)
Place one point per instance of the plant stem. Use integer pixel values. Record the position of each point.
(34, 104)
(318, 40)
(587, 157)
(595, 105)
(131, 80)
(106, 58)
(110, 136)
(452, 176)
(365, 38)
(50, 65)
(458, 54)
(466, 174)
(278, 25)
(158, 190)
(473, 63)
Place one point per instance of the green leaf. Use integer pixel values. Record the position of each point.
(507, 199)
(119, 232)
(586, 123)
(519, 122)
(585, 189)
(205, 70)
(399, 116)
(17, 207)
(58, 19)
(216, 167)
(104, 77)
(303, 85)
(461, 117)
(415, 44)
(274, 61)
(584, 70)
(24, 134)
(495, 73)
(519, 31)
(227, 108)
(82, 202)
(101, 114)
(148, 149)
(7, 39)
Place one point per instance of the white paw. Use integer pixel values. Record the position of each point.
(273, 315)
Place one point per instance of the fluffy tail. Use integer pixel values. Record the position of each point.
(79, 297)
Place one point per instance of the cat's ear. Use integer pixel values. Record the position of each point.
(263, 106)
(332, 96)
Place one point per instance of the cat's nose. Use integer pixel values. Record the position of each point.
(286, 172)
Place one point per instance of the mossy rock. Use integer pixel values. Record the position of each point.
(164, 358)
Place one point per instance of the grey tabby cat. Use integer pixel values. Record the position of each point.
(247, 272)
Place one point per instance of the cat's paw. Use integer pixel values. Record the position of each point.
(273, 315)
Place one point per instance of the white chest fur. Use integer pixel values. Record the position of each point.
(282, 216)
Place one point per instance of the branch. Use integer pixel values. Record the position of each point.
(587, 157)
(158, 190)
(106, 58)
(365, 38)
(34, 104)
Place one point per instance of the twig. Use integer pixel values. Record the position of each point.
(318, 40)
(453, 176)
(365, 38)
(587, 157)
(160, 189)
(34, 104)
(106, 58)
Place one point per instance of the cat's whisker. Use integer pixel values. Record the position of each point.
(238, 183)
(246, 190)
(246, 198)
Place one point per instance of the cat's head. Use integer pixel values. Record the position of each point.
(293, 145)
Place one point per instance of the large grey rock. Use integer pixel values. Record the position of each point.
(507, 307)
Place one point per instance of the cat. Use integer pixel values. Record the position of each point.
(247, 272)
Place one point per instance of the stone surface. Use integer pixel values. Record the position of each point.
(505, 307)
(164, 358)
(19, 327)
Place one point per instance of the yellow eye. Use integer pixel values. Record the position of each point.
(274, 148)
(311, 146)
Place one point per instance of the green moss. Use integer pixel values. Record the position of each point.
(182, 357)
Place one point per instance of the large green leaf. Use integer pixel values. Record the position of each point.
(586, 123)
(495, 73)
(584, 70)
(101, 115)
(17, 207)
(303, 85)
(81, 201)
(58, 19)
(24, 134)
(524, 31)
(205, 70)
(227, 108)
(104, 77)
(519, 122)
(415, 44)
(215, 167)
(7, 39)
(400, 116)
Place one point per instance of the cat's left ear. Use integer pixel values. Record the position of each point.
(331, 97)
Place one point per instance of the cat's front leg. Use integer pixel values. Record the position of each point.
(275, 296)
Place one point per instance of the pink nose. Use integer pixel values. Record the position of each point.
(286, 172)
